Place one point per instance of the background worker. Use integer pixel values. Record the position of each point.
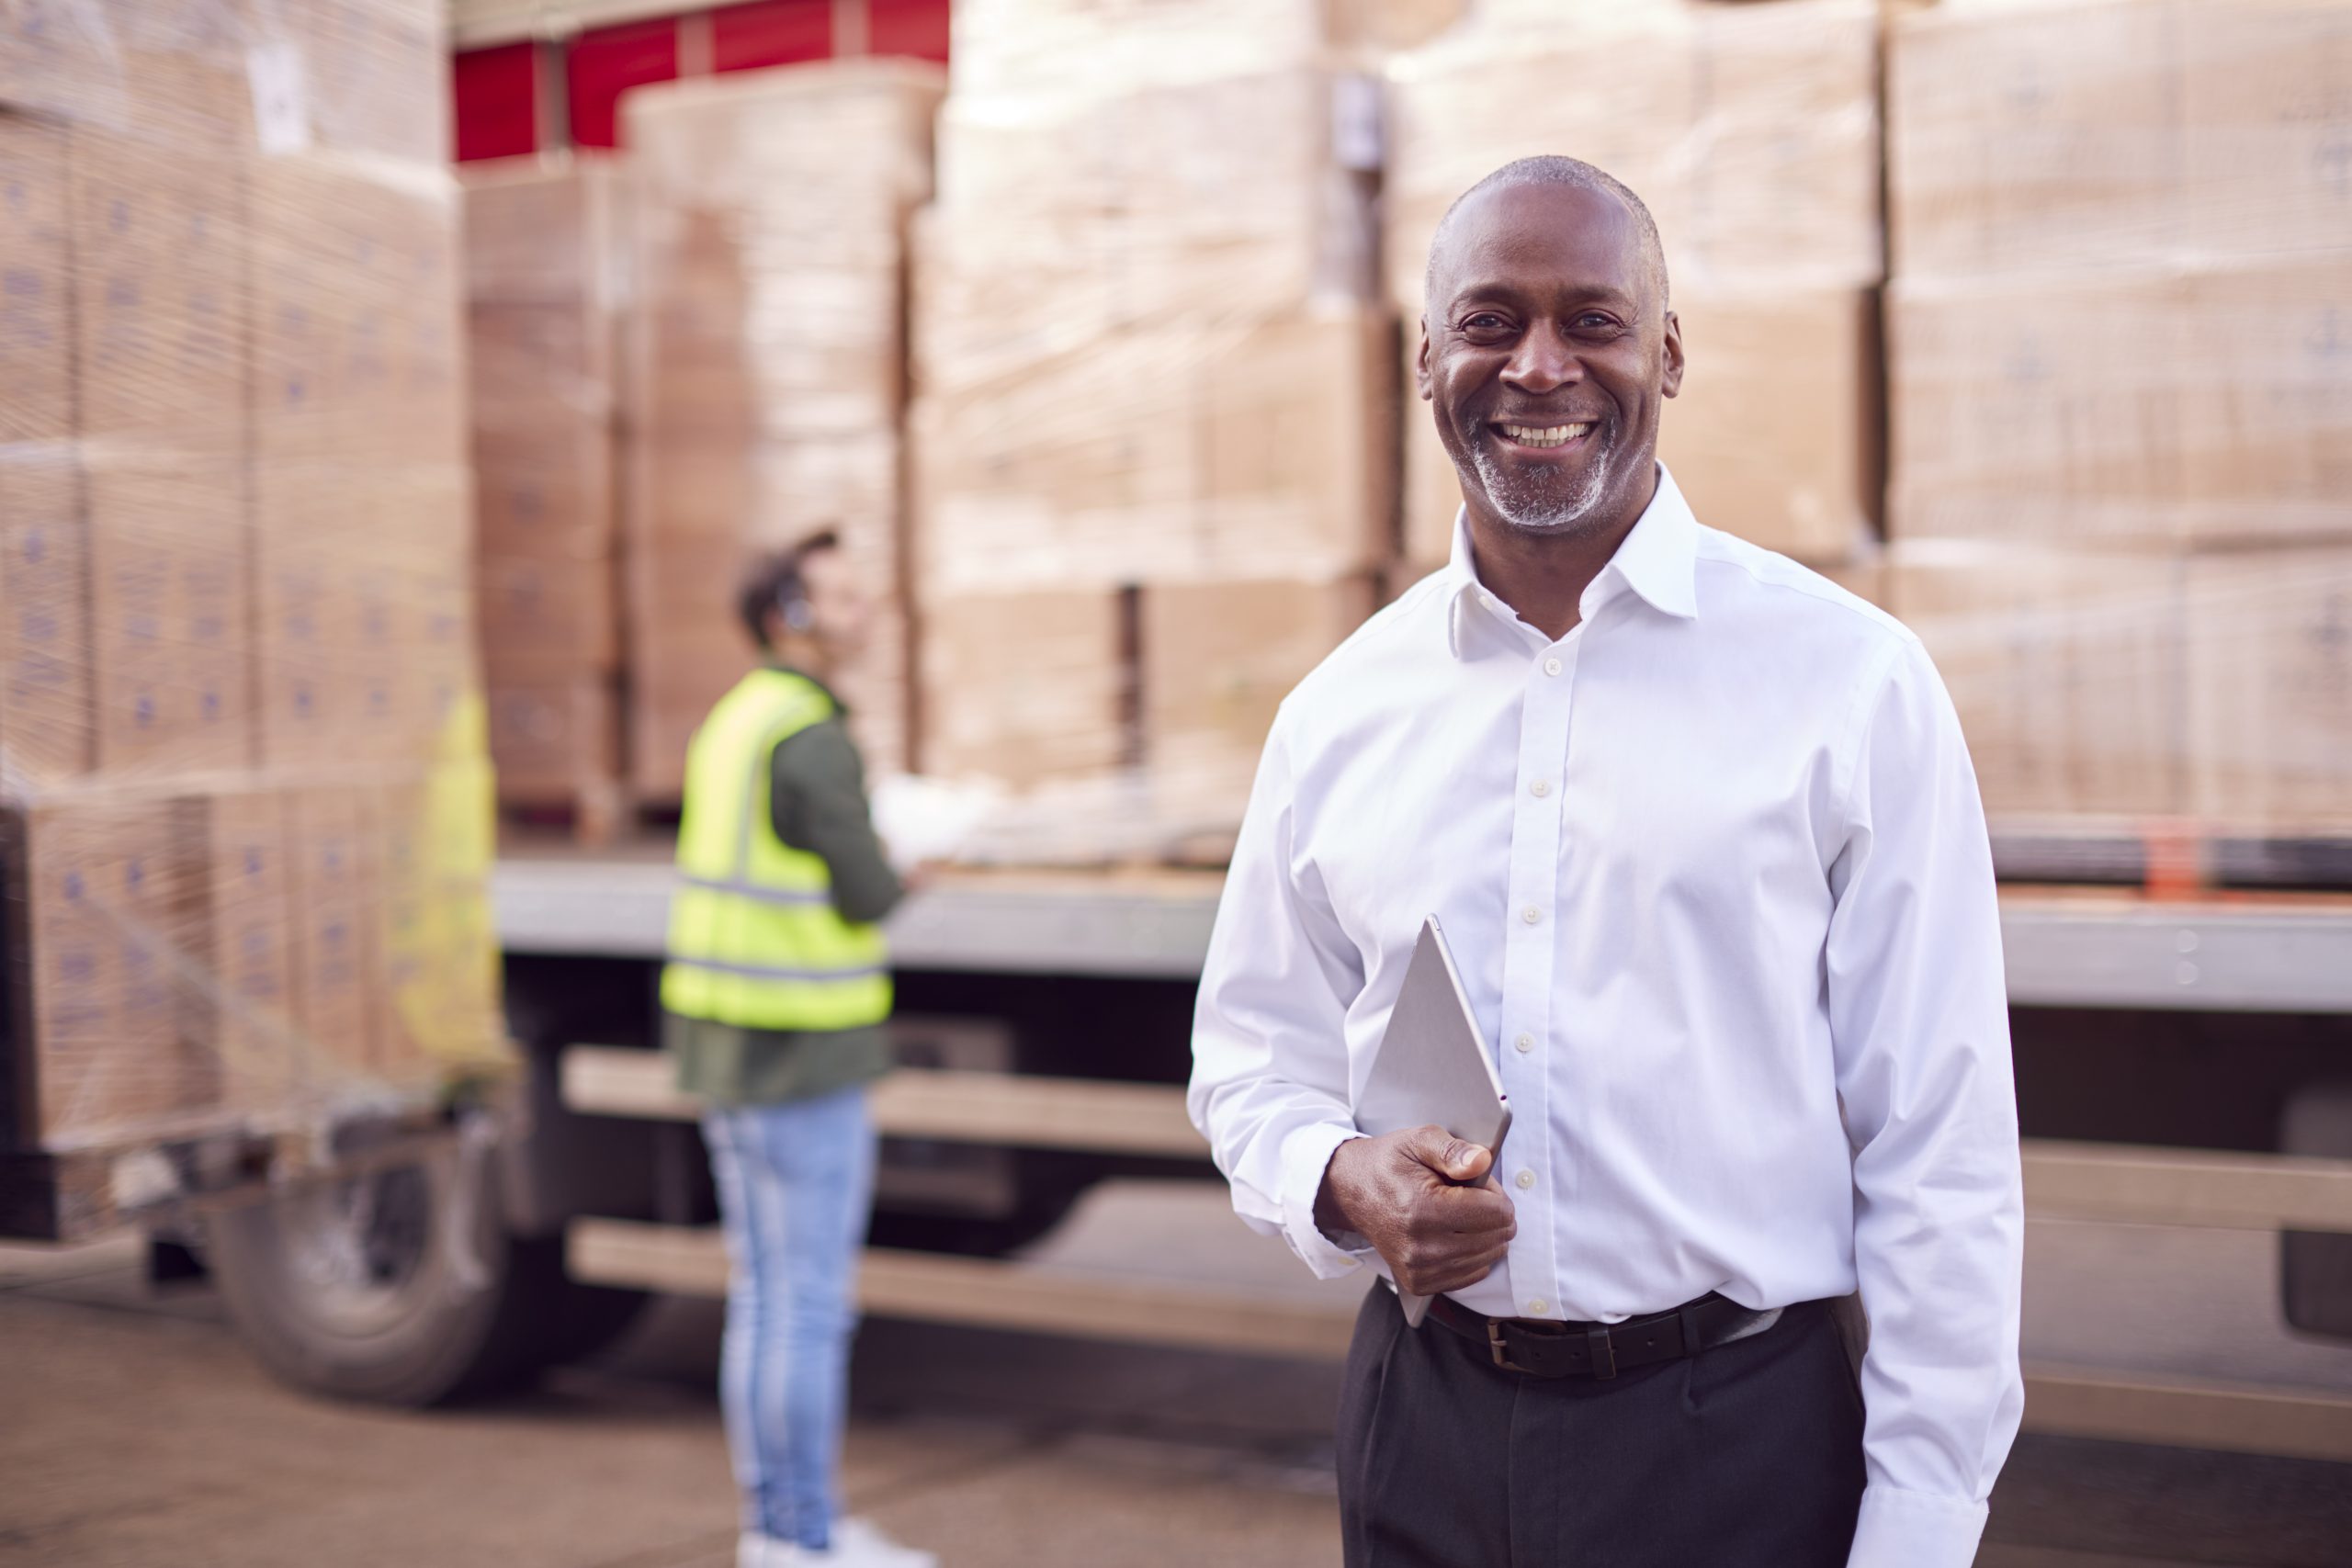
(774, 1000)
(1703, 833)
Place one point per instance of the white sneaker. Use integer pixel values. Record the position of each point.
(857, 1543)
(860, 1543)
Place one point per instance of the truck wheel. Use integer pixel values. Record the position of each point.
(399, 1286)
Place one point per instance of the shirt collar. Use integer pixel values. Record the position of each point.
(1658, 560)
(773, 662)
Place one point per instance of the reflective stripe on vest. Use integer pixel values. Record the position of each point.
(754, 939)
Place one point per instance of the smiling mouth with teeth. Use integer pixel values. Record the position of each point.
(1543, 436)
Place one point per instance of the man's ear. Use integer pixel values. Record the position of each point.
(1421, 362)
(1671, 382)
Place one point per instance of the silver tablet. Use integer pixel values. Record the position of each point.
(1433, 1065)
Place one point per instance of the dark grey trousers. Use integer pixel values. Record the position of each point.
(1746, 1456)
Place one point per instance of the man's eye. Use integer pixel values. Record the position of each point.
(1484, 320)
(1595, 321)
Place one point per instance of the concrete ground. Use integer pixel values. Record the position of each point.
(134, 1431)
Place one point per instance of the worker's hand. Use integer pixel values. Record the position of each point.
(1426, 1200)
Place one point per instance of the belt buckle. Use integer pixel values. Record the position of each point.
(1500, 1353)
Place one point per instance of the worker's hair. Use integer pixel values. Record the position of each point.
(1553, 170)
(776, 583)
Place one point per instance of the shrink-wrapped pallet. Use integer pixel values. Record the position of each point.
(236, 651)
(548, 283)
(1751, 133)
(2124, 253)
(766, 386)
(1157, 400)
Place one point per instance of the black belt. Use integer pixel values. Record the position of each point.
(1596, 1350)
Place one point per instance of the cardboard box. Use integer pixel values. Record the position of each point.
(159, 293)
(2067, 670)
(2270, 690)
(240, 843)
(1751, 134)
(2267, 118)
(336, 954)
(556, 743)
(169, 615)
(548, 620)
(2032, 136)
(1182, 454)
(46, 714)
(548, 232)
(356, 349)
(1029, 687)
(36, 303)
(2205, 406)
(1218, 658)
(2081, 133)
(110, 916)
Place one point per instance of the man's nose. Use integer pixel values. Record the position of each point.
(1543, 361)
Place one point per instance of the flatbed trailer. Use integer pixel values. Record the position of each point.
(2070, 949)
(1044, 1015)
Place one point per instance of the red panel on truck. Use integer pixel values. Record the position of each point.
(495, 94)
(773, 32)
(607, 62)
(918, 27)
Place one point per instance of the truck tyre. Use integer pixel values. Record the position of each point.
(401, 1285)
(2315, 1266)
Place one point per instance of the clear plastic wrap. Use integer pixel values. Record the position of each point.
(242, 772)
(1751, 132)
(766, 387)
(2120, 402)
(1156, 397)
(547, 282)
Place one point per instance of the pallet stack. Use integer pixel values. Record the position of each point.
(766, 388)
(546, 286)
(1155, 399)
(2121, 355)
(1751, 132)
(240, 751)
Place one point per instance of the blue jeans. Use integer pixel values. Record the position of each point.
(796, 1185)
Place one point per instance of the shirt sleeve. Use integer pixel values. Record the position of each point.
(1269, 1058)
(817, 801)
(1919, 1016)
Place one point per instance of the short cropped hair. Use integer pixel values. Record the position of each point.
(775, 580)
(1554, 170)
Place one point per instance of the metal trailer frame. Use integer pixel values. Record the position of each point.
(2067, 947)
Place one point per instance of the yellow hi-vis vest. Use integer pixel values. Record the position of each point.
(754, 939)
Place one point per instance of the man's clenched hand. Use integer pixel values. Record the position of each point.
(1426, 1200)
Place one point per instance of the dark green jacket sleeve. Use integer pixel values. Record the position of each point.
(817, 801)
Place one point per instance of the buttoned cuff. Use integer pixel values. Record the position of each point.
(1914, 1529)
(1307, 1154)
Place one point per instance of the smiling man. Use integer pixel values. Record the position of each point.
(1702, 829)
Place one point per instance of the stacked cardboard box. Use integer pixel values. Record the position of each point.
(2124, 250)
(546, 284)
(766, 385)
(1155, 395)
(235, 629)
(1752, 135)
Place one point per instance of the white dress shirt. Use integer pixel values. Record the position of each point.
(1716, 872)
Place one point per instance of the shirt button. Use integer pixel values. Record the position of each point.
(1538, 1307)
(1551, 666)
(1530, 914)
(1526, 1178)
(1525, 1042)
(1540, 788)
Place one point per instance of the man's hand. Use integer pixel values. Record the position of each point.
(1426, 1200)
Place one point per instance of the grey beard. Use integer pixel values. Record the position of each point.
(1531, 507)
